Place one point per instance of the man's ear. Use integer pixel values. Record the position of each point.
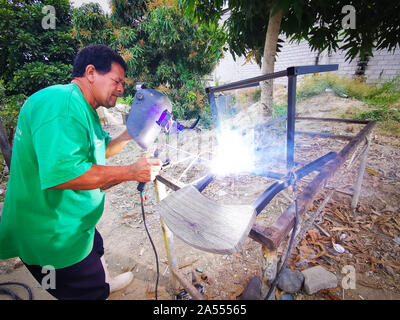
(90, 73)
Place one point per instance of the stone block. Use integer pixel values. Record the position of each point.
(317, 278)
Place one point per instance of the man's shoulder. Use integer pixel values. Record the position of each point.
(56, 90)
(52, 97)
(51, 103)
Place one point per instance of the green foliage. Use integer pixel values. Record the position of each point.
(9, 109)
(31, 57)
(385, 96)
(387, 99)
(164, 49)
(384, 99)
(23, 40)
(317, 21)
(128, 13)
(125, 100)
(279, 110)
(178, 54)
(91, 25)
(37, 75)
(256, 94)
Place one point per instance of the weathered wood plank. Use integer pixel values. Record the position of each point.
(205, 224)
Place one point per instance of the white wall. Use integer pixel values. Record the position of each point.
(381, 67)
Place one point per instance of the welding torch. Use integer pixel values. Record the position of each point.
(141, 185)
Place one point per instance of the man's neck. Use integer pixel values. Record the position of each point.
(86, 90)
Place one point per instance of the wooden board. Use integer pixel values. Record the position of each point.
(205, 224)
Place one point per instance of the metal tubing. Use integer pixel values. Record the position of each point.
(291, 114)
(203, 183)
(269, 174)
(277, 187)
(272, 235)
(291, 71)
(255, 80)
(295, 71)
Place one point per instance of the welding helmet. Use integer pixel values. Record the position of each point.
(150, 113)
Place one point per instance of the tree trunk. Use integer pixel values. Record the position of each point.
(5, 145)
(268, 62)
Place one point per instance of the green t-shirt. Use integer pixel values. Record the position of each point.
(58, 138)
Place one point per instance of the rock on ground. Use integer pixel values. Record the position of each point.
(317, 278)
(290, 281)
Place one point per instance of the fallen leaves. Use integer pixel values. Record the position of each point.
(362, 239)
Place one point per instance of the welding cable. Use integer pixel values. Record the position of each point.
(289, 250)
(142, 198)
(11, 293)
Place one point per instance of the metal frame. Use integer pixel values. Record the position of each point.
(272, 236)
(285, 180)
(292, 74)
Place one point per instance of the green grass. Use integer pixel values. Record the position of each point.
(279, 110)
(383, 100)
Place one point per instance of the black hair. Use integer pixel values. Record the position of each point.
(98, 55)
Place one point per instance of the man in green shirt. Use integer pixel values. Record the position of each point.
(53, 199)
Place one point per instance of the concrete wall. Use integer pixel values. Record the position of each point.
(381, 67)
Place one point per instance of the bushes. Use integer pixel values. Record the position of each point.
(9, 111)
(37, 75)
(165, 50)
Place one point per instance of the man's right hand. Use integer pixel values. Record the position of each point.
(146, 169)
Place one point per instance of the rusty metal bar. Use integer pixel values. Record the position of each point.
(272, 236)
(170, 182)
(360, 176)
(187, 285)
(324, 135)
(334, 120)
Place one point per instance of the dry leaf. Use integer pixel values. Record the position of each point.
(373, 172)
(129, 216)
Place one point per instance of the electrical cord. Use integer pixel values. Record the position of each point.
(11, 293)
(142, 198)
(289, 250)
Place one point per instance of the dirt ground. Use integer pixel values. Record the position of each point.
(369, 236)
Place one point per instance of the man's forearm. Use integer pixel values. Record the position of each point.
(99, 176)
(117, 144)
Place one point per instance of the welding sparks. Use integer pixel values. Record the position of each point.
(234, 154)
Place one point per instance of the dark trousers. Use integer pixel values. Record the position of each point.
(84, 280)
